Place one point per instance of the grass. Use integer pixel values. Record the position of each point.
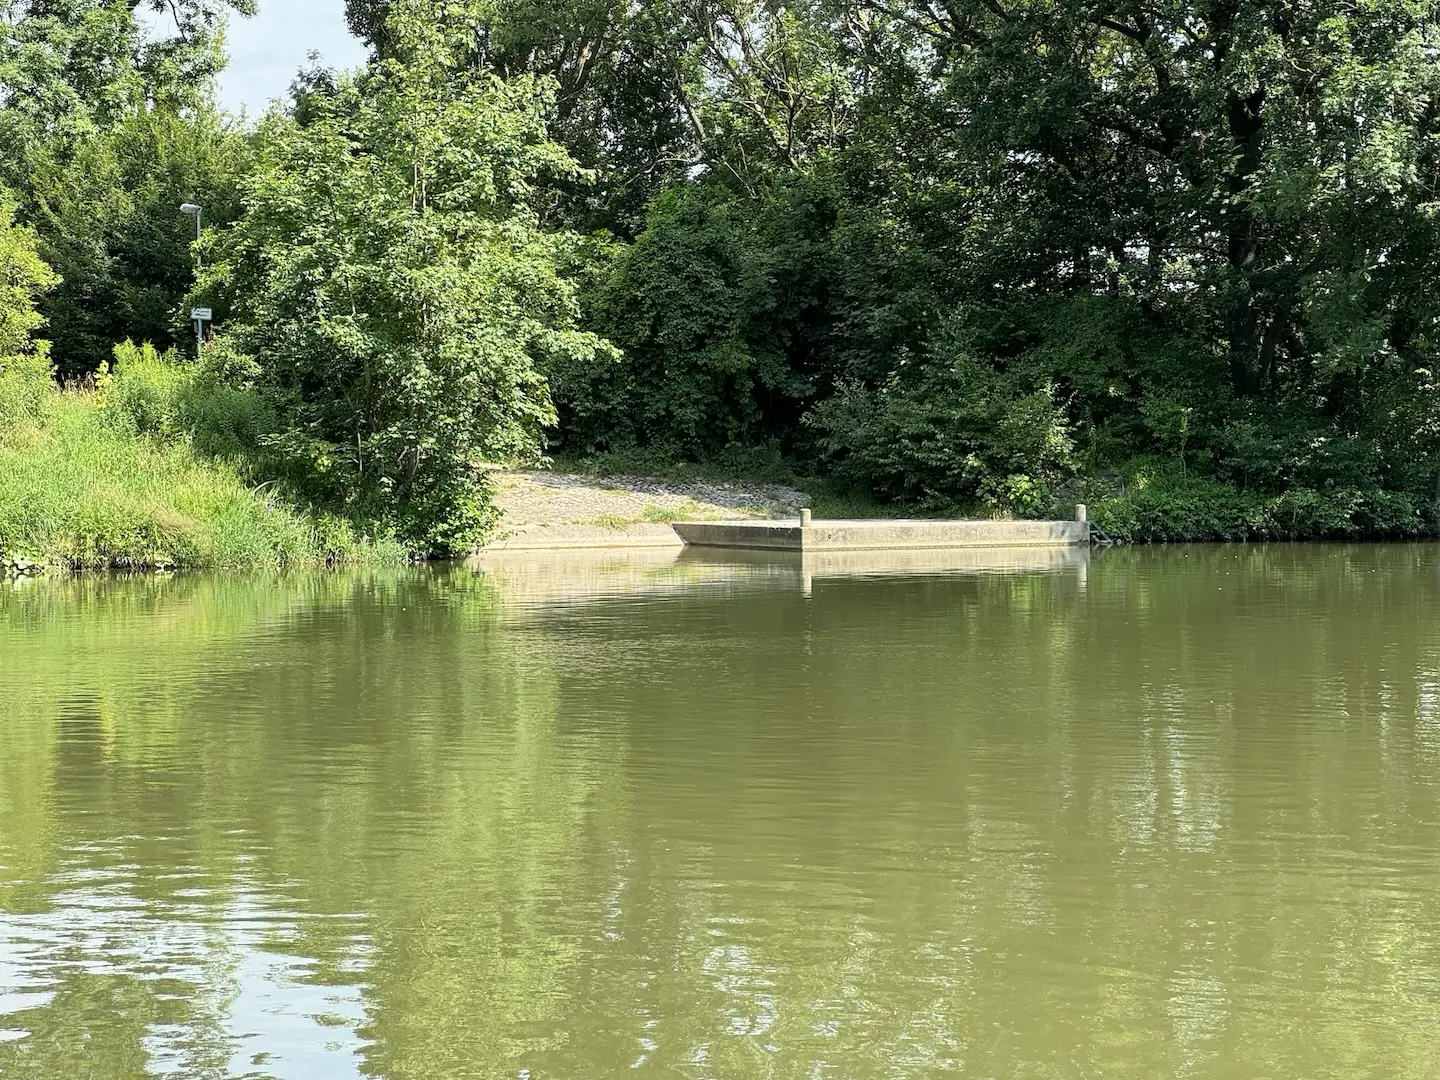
(77, 492)
(689, 510)
(618, 522)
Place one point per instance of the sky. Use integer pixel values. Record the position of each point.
(267, 51)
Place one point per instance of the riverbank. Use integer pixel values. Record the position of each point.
(81, 488)
(80, 492)
(90, 481)
(576, 506)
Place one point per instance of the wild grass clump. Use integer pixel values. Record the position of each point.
(103, 479)
(689, 510)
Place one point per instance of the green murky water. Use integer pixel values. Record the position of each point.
(1156, 813)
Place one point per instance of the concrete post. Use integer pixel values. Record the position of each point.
(805, 519)
(1082, 512)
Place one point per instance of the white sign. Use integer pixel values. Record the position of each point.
(202, 314)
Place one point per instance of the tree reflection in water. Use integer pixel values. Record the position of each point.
(1174, 815)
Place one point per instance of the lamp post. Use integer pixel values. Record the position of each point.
(196, 211)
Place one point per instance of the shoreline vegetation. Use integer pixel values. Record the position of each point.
(144, 468)
(91, 480)
(1181, 265)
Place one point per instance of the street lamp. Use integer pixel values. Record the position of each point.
(197, 315)
(195, 211)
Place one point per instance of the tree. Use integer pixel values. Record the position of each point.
(1140, 211)
(24, 362)
(1248, 184)
(648, 95)
(1230, 162)
(23, 277)
(104, 130)
(70, 68)
(109, 223)
(394, 287)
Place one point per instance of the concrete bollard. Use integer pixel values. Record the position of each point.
(1082, 512)
(805, 519)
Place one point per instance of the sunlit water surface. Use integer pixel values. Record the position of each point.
(1153, 813)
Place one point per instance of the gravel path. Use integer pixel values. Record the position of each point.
(560, 510)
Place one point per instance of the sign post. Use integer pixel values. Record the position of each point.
(200, 316)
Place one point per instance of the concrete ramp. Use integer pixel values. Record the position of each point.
(881, 534)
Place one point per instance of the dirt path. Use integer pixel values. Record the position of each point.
(560, 510)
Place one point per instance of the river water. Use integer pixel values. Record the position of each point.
(1149, 813)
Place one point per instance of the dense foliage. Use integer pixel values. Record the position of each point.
(105, 128)
(980, 253)
(393, 290)
(1178, 260)
(89, 481)
(24, 276)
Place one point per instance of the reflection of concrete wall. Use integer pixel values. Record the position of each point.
(882, 534)
(893, 562)
(539, 576)
(530, 577)
(568, 537)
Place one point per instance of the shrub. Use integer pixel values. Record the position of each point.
(141, 391)
(24, 276)
(1170, 508)
(959, 433)
(146, 392)
(26, 383)
(399, 338)
(27, 388)
(717, 307)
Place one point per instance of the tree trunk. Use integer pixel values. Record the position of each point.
(1247, 127)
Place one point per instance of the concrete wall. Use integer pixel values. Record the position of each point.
(774, 535)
